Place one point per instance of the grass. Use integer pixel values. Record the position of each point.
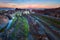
(55, 21)
(50, 19)
(25, 26)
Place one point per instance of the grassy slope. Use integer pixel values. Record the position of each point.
(25, 25)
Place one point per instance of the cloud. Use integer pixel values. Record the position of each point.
(18, 5)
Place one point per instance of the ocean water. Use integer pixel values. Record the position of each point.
(6, 8)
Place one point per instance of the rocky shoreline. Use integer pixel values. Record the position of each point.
(3, 21)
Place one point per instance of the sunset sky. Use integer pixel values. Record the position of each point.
(30, 3)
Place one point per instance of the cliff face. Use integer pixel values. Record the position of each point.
(51, 12)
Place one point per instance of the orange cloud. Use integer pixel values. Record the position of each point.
(13, 5)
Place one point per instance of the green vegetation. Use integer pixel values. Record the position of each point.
(26, 27)
(51, 20)
(22, 25)
(47, 19)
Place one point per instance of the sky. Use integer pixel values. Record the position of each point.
(30, 3)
